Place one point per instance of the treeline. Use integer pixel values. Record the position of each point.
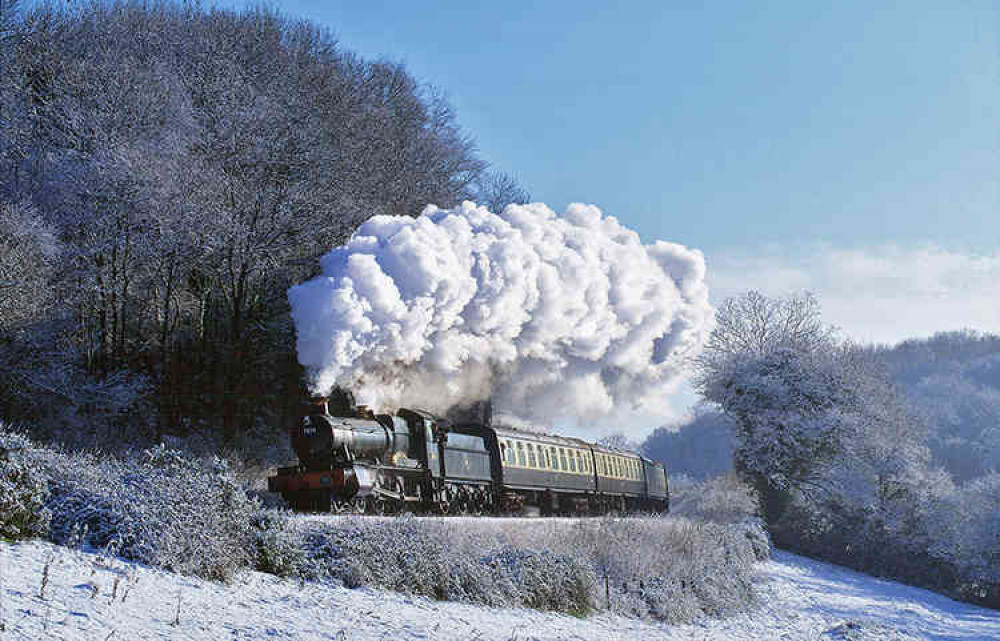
(950, 381)
(879, 458)
(166, 173)
(953, 381)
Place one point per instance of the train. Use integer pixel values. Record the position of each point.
(351, 460)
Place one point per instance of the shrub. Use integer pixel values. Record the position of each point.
(164, 509)
(23, 490)
(723, 499)
(434, 559)
(671, 569)
(726, 500)
(279, 551)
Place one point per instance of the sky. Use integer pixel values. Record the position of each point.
(851, 149)
(829, 147)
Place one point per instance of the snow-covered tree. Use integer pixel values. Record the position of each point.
(191, 165)
(816, 419)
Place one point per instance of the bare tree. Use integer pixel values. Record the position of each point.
(497, 189)
(755, 324)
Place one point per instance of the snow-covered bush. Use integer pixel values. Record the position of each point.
(723, 499)
(670, 569)
(441, 561)
(23, 490)
(163, 509)
(279, 551)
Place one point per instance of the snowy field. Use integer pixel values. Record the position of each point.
(801, 599)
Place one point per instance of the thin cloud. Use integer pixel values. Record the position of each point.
(874, 294)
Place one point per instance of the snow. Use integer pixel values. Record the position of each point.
(800, 599)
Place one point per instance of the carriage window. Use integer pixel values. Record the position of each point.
(548, 458)
(532, 461)
(579, 460)
(520, 453)
(562, 460)
(504, 452)
(553, 458)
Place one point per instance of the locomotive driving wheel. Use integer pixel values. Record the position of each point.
(444, 501)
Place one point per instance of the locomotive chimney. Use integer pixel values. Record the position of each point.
(320, 405)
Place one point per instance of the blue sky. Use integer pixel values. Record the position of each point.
(848, 148)
(727, 127)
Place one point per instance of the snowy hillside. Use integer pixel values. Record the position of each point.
(88, 597)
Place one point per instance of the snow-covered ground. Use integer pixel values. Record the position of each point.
(801, 600)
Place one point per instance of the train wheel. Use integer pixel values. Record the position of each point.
(377, 505)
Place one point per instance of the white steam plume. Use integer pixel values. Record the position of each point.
(553, 316)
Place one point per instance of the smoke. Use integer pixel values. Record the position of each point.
(554, 316)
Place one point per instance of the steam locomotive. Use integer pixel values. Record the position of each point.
(351, 460)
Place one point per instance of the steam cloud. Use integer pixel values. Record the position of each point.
(553, 316)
